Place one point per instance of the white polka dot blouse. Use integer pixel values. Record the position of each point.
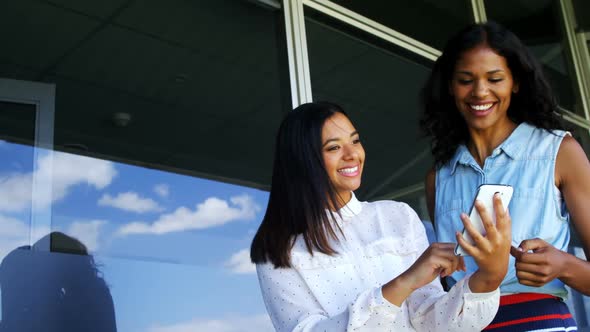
(343, 292)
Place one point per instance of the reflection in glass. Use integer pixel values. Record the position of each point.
(134, 212)
(178, 242)
(428, 21)
(52, 292)
(167, 202)
(545, 40)
(17, 136)
(164, 237)
(582, 12)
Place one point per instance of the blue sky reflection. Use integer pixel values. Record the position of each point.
(172, 248)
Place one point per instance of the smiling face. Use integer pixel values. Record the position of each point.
(482, 85)
(343, 155)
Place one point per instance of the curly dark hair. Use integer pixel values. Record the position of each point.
(534, 103)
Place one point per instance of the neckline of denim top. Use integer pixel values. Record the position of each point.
(351, 209)
(511, 146)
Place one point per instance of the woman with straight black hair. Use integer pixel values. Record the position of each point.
(493, 119)
(328, 262)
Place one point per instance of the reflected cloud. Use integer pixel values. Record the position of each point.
(163, 190)
(130, 201)
(87, 232)
(56, 170)
(211, 213)
(15, 192)
(240, 263)
(12, 227)
(13, 233)
(257, 323)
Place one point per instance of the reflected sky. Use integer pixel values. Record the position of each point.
(173, 249)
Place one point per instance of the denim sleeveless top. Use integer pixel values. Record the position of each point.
(526, 161)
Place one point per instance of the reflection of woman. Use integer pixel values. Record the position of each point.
(54, 292)
(328, 262)
(491, 115)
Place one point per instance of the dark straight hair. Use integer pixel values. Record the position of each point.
(534, 103)
(301, 191)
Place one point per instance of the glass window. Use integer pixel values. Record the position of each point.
(582, 10)
(545, 40)
(378, 86)
(165, 119)
(17, 134)
(428, 21)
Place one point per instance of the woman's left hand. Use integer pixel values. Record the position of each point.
(490, 252)
(537, 262)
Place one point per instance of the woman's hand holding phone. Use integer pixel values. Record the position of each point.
(485, 194)
(490, 252)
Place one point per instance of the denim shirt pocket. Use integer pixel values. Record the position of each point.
(531, 211)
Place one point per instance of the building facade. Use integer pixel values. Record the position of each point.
(136, 139)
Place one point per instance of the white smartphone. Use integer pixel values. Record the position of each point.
(485, 193)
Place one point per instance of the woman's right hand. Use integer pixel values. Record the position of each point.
(492, 251)
(438, 259)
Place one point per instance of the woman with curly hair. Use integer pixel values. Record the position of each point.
(493, 119)
(329, 262)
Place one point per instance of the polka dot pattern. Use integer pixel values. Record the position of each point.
(343, 292)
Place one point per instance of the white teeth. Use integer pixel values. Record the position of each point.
(348, 170)
(483, 107)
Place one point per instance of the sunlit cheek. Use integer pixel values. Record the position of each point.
(463, 93)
